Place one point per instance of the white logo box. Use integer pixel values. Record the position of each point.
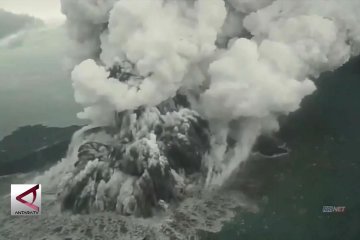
(25, 199)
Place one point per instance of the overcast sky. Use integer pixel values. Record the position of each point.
(45, 9)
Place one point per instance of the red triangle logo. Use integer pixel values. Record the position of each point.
(27, 192)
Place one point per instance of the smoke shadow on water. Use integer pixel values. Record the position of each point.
(322, 169)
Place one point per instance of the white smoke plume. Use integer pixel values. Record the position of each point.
(240, 63)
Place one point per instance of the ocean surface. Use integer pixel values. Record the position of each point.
(35, 87)
(323, 169)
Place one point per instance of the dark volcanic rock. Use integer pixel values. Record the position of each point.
(147, 162)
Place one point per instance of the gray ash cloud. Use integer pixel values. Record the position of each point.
(179, 92)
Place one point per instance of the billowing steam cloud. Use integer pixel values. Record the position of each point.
(186, 87)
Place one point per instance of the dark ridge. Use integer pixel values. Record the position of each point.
(33, 147)
(11, 23)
